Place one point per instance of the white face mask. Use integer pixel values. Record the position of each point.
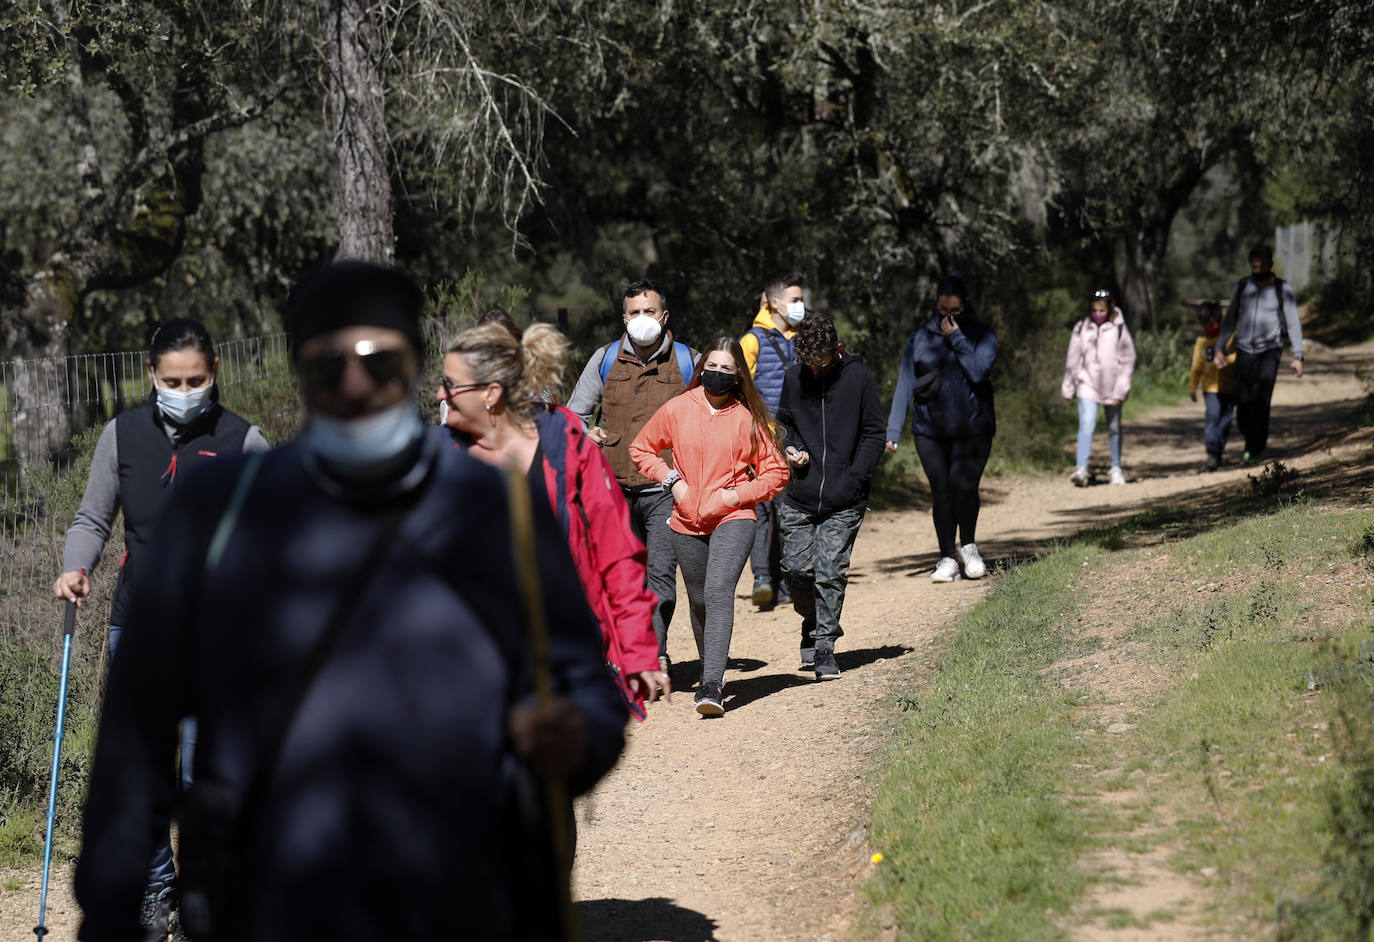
(443, 413)
(181, 407)
(796, 312)
(368, 445)
(644, 329)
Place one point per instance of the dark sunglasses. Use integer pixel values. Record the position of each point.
(325, 370)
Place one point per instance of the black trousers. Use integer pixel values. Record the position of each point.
(954, 467)
(1255, 377)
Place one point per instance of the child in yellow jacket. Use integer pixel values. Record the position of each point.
(1218, 385)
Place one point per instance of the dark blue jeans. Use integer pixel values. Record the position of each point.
(1219, 409)
(815, 561)
(163, 869)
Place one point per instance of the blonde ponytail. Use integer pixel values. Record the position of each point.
(528, 367)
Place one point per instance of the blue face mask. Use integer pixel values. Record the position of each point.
(181, 407)
(367, 446)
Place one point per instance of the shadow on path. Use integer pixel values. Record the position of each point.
(741, 693)
(641, 920)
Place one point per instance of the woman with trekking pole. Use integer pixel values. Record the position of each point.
(725, 461)
(138, 459)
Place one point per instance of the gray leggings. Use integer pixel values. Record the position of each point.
(711, 566)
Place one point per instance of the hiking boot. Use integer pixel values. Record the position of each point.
(710, 700)
(808, 659)
(1213, 462)
(945, 570)
(826, 668)
(1080, 476)
(763, 591)
(155, 917)
(1114, 476)
(974, 567)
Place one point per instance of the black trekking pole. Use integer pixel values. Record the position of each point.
(68, 628)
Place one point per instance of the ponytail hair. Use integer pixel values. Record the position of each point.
(526, 366)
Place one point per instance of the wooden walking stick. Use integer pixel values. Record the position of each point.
(556, 803)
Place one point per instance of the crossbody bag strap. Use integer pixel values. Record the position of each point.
(777, 348)
(269, 752)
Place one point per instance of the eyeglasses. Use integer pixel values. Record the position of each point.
(325, 370)
(1101, 294)
(951, 311)
(451, 387)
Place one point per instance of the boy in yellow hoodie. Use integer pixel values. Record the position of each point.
(1218, 385)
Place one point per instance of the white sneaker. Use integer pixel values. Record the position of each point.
(945, 570)
(1079, 476)
(1115, 476)
(974, 567)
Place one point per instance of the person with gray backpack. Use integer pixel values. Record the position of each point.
(1263, 313)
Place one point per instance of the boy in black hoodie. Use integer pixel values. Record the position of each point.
(832, 426)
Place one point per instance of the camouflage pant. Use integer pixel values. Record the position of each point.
(815, 562)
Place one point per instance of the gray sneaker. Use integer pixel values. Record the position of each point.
(710, 700)
(826, 668)
(808, 659)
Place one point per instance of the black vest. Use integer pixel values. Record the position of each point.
(149, 465)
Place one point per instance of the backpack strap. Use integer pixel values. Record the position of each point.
(609, 354)
(684, 361)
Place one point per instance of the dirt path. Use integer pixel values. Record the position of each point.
(751, 826)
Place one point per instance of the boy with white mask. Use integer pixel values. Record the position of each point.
(768, 352)
(627, 380)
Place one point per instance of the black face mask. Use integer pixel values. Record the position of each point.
(716, 382)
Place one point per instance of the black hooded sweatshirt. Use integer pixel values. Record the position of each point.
(837, 419)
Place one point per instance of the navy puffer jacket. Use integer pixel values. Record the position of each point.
(963, 405)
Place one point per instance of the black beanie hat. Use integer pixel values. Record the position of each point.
(354, 294)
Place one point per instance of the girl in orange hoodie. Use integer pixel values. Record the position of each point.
(725, 461)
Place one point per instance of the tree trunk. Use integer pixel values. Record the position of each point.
(358, 119)
(1137, 257)
(36, 385)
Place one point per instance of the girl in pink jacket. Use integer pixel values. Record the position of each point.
(1098, 372)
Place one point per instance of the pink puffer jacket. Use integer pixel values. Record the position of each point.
(1101, 360)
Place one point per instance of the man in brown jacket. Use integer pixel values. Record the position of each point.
(627, 380)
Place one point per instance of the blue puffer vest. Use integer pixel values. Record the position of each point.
(771, 367)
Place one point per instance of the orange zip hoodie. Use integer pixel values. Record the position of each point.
(711, 452)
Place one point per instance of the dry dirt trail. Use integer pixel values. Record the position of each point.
(751, 826)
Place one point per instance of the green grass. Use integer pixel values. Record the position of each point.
(986, 802)
(977, 828)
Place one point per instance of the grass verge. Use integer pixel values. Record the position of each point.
(1243, 657)
(976, 828)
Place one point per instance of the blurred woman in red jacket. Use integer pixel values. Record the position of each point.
(493, 384)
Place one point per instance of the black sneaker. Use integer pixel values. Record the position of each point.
(808, 659)
(826, 668)
(710, 700)
(1213, 462)
(763, 591)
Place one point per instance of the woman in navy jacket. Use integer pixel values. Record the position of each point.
(945, 368)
